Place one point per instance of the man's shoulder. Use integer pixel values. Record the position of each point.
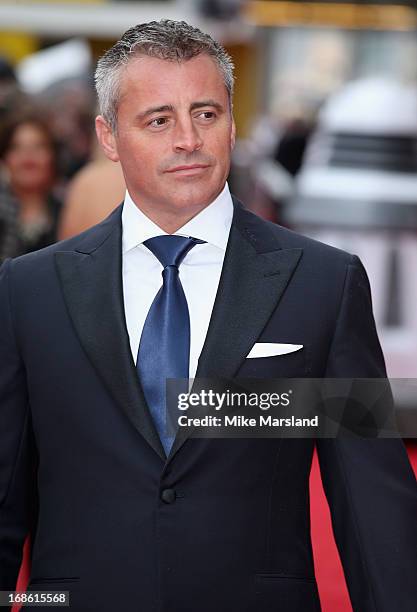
(311, 246)
(278, 236)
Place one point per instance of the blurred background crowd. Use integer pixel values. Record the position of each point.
(326, 111)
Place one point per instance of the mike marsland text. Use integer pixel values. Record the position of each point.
(242, 421)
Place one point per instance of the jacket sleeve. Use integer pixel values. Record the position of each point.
(369, 483)
(17, 448)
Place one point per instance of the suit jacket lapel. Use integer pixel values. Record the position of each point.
(256, 272)
(91, 279)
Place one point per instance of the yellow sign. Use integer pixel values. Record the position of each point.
(344, 15)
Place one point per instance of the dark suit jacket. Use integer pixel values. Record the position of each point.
(82, 468)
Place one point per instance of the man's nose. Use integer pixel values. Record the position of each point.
(187, 136)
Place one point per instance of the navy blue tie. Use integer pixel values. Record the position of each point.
(164, 349)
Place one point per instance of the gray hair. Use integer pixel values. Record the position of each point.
(165, 39)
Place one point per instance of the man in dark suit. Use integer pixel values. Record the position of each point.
(122, 515)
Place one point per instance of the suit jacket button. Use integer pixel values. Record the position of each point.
(168, 496)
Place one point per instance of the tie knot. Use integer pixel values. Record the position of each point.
(171, 249)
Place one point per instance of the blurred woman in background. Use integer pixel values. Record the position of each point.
(29, 212)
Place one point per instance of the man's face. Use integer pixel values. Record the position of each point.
(175, 133)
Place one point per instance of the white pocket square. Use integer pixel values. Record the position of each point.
(271, 349)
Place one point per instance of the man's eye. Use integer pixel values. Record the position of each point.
(208, 115)
(158, 122)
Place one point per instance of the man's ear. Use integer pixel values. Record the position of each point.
(106, 138)
(233, 135)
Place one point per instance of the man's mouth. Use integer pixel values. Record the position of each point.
(188, 169)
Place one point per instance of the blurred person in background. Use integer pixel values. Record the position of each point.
(11, 96)
(75, 137)
(271, 158)
(91, 195)
(289, 151)
(29, 211)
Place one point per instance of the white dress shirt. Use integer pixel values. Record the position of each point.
(199, 271)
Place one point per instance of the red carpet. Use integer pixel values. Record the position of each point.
(332, 587)
(333, 592)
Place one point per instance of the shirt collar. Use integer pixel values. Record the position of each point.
(212, 224)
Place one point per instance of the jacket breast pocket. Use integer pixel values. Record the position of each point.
(290, 365)
(286, 593)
